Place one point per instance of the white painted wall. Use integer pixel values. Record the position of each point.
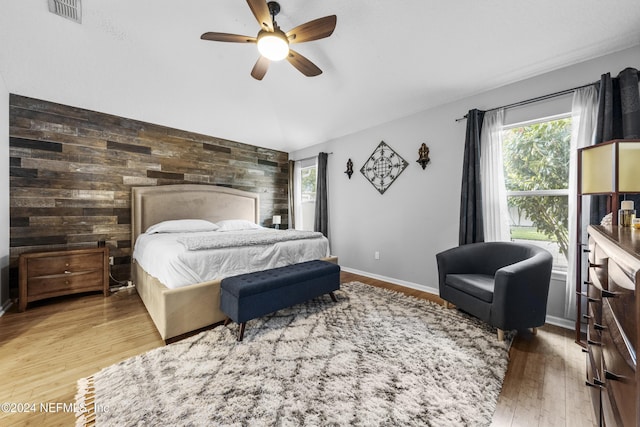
(418, 215)
(4, 196)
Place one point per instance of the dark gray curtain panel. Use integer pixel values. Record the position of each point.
(322, 212)
(618, 118)
(471, 221)
(292, 195)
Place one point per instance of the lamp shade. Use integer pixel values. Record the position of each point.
(610, 167)
(277, 220)
(597, 170)
(629, 167)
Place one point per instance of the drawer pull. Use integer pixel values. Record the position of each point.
(587, 282)
(586, 316)
(596, 343)
(590, 299)
(594, 384)
(608, 294)
(67, 272)
(611, 376)
(586, 251)
(598, 327)
(592, 265)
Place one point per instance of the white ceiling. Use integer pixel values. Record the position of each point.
(144, 59)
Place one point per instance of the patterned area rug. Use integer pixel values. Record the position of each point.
(376, 357)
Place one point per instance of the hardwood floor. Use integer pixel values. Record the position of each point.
(46, 349)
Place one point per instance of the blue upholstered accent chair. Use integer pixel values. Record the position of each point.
(505, 284)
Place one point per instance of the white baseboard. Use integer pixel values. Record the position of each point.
(5, 307)
(552, 320)
(404, 283)
(561, 321)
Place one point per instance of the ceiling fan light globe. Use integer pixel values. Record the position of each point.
(273, 46)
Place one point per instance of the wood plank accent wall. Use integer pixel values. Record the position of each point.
(71, 173)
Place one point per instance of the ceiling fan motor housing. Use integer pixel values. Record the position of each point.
(274, 8)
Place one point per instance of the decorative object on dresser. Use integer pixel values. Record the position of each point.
(376, 357)
(423, 156)
(56, 273)
(612, 313)
(276, 220)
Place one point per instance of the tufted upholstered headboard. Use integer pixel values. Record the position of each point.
(151, 205)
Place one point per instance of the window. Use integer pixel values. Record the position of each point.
(536, 170)
(305, 198)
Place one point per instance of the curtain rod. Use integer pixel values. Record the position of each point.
(309, 158)
(536, 99)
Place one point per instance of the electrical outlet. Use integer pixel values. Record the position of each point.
(110, 260)
(376, 255)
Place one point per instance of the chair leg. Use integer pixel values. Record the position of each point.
(500, 335)
(534, 331)
(446, 304)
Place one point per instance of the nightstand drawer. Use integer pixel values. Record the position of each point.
(48, 266)
(62, 284)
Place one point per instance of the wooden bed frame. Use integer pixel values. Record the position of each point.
(178, 311)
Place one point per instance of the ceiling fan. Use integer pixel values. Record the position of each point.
(273, 43)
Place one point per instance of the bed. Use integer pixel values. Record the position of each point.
(176, 311)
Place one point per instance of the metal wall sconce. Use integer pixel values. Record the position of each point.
(423, 155)
(349, 170)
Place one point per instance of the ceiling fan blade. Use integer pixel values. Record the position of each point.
(313, 30)
(260, 10)
(303, 65)
(224, 37)
(261, 67)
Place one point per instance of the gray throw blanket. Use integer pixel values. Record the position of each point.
(248, 238)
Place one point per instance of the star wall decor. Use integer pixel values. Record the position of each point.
(383, 167)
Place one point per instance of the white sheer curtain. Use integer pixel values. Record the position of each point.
(494, 193)
(297, 198)
(583, 121)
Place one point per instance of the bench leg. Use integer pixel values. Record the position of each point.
(227, 321)
(333, 296)
(241, 331)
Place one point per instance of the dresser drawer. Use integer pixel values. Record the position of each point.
(597, 256)
(623, 301)
(618, 354)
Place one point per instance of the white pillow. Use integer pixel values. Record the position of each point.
(237, 225)
(182, 226)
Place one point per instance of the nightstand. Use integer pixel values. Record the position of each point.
(51, 274)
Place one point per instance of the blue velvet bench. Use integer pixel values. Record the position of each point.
(252, 295)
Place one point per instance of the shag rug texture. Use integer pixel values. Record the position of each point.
(376, 357)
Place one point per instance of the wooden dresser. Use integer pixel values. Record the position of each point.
(613, 315)
(51, 274)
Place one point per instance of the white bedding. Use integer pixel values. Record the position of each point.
(164, 257)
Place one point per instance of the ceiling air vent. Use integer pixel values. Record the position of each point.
(70, 9)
